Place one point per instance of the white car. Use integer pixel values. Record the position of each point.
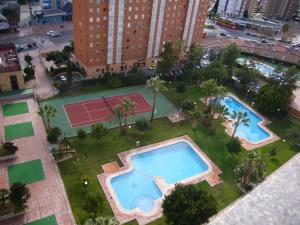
(52, 33)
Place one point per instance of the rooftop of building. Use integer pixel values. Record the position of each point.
(276, 201)
(9, 60)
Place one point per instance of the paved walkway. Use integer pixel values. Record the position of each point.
(44, 87)
(48, 197)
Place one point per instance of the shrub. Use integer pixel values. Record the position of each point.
(98, 130)
(273, 152)
(92, 203)
(188, 206)
(142, 124)
(53, 135)
(29, 74)
(81, 134)
(114, 82)
(10, 148)
(234, 145)
(181, 88)
(188, 104)
(19, 194)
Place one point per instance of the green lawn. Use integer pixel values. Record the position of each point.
(100, 152)
(19, 130)
(15, 109)
(26, 173)
(49, 220)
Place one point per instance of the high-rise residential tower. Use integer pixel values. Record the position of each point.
(281, 9)
(116, 35)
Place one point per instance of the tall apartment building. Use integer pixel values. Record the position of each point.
(116, 35)
(281, 9)
(232, 8)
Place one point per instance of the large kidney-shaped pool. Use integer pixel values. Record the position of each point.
(253, 132)
(173, 163)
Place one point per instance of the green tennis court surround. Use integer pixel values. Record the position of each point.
(13, 109)
(19, 130)
(49, 220)
(26, 173)
(163, 108)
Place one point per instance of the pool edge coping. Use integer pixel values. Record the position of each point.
(249, 145)
(123, 215)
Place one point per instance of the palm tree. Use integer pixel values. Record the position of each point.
(209, 88)
(239, 118)
(220, 92)
(156, 85)
(196, 114)
(47, 112)
(223, 111)
(127, 107)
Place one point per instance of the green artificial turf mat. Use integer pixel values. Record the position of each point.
(26, 173)
(49, 220)
(15, 109)
(19, 130)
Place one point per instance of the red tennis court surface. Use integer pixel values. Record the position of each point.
(95, 111)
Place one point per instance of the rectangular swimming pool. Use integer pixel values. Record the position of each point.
(254, 132)
(137, 188)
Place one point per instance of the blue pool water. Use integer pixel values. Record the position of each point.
(253, 132)
(176, 162)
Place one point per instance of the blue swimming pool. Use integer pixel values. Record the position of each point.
(253, 132)
(173, 163)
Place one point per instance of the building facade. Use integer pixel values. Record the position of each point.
(11, 74)
(232, 8)
(279, 9)
(116, 35)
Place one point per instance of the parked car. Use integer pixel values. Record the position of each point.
(223, 35)
(52, 33)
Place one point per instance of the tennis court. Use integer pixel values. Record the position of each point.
(81, 111)
(100, 110)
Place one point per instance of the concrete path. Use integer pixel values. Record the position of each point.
(48, 197)
(44, 87)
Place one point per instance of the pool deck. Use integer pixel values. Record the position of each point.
(248, 145)
(211, 176)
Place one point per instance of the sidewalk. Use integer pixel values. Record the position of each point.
(48, 196)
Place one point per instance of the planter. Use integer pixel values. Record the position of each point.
(8, 157)
(10, 215)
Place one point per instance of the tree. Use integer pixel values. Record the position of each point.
(29, 73)
(234, 146)
(81, 134)
(156, 85)
(168, 59)
(215, 104)
(10, 147)
(238, 119)
(223, 111)
(53, 135)
(19, 194)
(92, 204)
(273, 100)
(127, 108)
(196, 114)
(188, 206)
(215, 70)
(63, 58)
(28, 59)
(180, 48)
(47, 112)
(252, 170)
(98, 131)
(142, 124)
(195, 54)
(209, 88)
(246, 78)
(12, 15)
(229, 56)
(285, 31)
